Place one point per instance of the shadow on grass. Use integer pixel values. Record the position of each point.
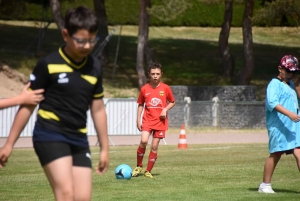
(277, 190)
(142, 175)
(185, 62)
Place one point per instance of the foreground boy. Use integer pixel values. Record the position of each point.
(73, 84)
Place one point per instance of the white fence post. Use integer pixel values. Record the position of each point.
(215, 111)
(187, 101)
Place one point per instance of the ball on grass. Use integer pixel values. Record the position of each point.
(123, 171)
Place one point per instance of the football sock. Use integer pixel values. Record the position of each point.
(151, 161)
(265, 184)
(140, 155)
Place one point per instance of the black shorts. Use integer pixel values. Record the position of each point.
(50, 151)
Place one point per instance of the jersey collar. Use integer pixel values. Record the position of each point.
(288, 83)
(69, 60)
(154, 87)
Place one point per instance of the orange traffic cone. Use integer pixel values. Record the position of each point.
(182, 139)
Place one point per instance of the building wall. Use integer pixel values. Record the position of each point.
(237, 107)
(235, 115)
(206, 93)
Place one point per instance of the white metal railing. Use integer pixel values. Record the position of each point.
(122, 113)
(121, 119)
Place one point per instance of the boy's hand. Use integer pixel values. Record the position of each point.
(4, 154)
(31, 97)
(294, 117)
(139, 125)
(163, 114)
(102, 166)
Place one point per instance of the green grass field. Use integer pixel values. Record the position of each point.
(189, 55)
(202, 172)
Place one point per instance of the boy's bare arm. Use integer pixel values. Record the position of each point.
(26, 97)
(138, 118)
(29, 97)
(163, 113)
(294, 117)
(19, 123)
(9, 102)
(169, 106)
(98, 113)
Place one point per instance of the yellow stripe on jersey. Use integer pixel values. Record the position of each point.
(91, 79)
(59, 68)
(48, 115)
(83, 130)
(69, 61)
(98, 95)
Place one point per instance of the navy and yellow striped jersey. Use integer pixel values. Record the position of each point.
(69, 90)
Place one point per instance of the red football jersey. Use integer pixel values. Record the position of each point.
(155, 100)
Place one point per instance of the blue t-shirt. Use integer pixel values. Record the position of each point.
(282, 130)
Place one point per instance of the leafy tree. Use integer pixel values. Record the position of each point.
(169, 9)
(148, 51)
(12, 7)
(278, 13)
(99, 6)
(226, 57)
(142, 41)
(56, 13)
(245, 75)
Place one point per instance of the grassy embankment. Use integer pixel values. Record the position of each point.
(189, 55)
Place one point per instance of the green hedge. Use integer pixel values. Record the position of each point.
(163, 12)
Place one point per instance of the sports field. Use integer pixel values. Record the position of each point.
(201, 172)
(204, 171)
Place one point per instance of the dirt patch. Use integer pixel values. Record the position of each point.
(11, 81)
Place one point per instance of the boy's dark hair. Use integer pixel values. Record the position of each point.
(81, 18)
(155, 65)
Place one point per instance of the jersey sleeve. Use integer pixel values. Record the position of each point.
(292, 85)
(141, 99)
(170, 96)
(39, 76)
(99, 91)
(272, 96)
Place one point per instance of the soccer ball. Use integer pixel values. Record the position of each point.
(123, 171)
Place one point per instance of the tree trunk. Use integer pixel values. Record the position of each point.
(141, 45)
(246, 74)
(99, 6)
(56, 13)
(148, 51)
(226, 58)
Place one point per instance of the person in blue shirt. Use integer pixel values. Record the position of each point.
(281, 119)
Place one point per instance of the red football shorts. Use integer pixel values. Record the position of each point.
(155, 133)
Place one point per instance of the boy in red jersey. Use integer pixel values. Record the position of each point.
(156, 99)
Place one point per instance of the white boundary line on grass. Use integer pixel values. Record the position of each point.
(192, 149)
